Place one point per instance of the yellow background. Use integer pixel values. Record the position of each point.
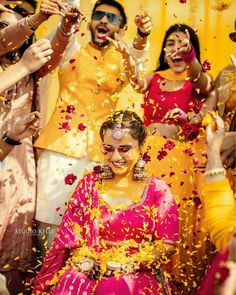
(213, 28)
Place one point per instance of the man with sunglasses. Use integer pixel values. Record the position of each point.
(90, 82)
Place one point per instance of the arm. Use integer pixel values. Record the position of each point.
(61, 39)
(219, 200)
(15, 35)
(144, 27)
(33, 59)
(200, 79)
(23, 128)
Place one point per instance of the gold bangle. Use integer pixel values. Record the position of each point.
(216, 171)
(67, 34)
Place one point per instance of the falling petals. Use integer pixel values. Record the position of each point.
(70, 179)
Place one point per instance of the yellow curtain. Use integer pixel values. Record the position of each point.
(213, 28)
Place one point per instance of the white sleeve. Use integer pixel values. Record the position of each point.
(71, 49)
(139, 54)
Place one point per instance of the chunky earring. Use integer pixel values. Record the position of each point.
(106, 172)
(139, 170)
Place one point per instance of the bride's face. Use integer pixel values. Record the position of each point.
(120, 155)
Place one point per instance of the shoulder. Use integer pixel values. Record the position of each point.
(84, 190)
(159, 185)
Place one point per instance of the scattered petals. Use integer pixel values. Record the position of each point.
(70, 179)
(169, 145)
(161, 154)
(206, 66)
(81, 127)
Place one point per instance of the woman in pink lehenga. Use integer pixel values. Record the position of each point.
(119, 227)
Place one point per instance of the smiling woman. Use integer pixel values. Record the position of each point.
(119, 227)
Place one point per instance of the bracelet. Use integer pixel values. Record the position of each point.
(141, 34)
(9, 140)
(216, 171)
(35, 20)
(67, 34)
(188, 57)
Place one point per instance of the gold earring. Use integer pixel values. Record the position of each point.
(139, 170)
(106, 172)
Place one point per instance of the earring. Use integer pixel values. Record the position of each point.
(106, 172)
(139, 170)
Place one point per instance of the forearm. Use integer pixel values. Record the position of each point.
(214, 163)
(139, 42)
(14, 36)
(220, 208)
(59, 44)
(11, 75)
(201, 80)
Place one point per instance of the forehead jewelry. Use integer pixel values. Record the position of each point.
(118, 134)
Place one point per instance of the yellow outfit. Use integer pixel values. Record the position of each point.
(177, 169)
(220, 207)
(91, 83)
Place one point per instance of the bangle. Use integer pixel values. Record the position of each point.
(9, 140)
(141, 34)
(188, 57)
(35, 20)
(216, 171)
(67, 34)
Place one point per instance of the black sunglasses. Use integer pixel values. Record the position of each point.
(112, 18)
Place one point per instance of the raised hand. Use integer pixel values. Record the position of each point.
(36, 55)
(143, 22)
(184, 46)
(26, 126)
(176, 116)
(119, 45)
(74, 16)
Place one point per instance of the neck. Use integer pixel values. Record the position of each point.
(102, 49)
(169, 74)
(122, 181)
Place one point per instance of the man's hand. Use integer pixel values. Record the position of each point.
(143, 22)
(74, 16)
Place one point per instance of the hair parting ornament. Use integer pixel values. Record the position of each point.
(119, 133)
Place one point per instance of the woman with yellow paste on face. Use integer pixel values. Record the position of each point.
(119, 226)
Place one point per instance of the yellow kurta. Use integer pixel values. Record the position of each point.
(91, 83)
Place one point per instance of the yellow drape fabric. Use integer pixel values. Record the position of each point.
(220, 207)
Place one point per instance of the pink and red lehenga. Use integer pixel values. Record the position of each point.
(91, 228)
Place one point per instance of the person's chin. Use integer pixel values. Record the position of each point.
(178, 69)
(101, 42)
(119, 170)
